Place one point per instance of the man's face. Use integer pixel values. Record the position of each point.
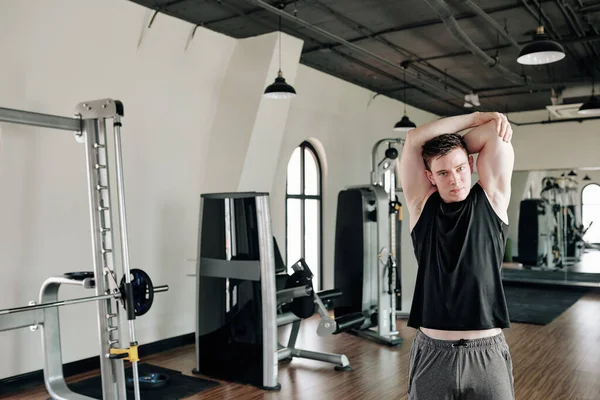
(451, 175)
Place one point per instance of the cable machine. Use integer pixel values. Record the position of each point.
(135, 291)
(367, 249)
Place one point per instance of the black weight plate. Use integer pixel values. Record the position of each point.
(150, 381)
(143, 291)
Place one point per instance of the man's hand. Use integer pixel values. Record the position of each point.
(503, 127)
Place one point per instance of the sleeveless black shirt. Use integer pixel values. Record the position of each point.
(459, 249)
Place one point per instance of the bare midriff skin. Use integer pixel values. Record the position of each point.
(457, 335)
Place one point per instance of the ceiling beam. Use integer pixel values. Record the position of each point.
(563, 41)
(403, 52)
(589, 9)
(563, 83)
(406, 85)
(239, 13)
(519, 93)
(249, 16)
(407, 27)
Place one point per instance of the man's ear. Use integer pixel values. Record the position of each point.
(429, 176)
(471, 163)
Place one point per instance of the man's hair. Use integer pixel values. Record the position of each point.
(440, 146)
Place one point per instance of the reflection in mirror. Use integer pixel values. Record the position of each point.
(554, 231)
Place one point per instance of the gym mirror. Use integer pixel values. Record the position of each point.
(554, 232)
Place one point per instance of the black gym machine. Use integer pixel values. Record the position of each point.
(368, 248)
(244, 294)
(550, 235)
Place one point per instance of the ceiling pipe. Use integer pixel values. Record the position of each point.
(553, 121)
(392, 77)
(562, 93)
(477, 10)
(549, 26)
(581, 29)
(590, 9)
(354, 25)
(575, 25)
(412, 26)
(563, 41)
(576, 91)
(358, 49)
(444, 12)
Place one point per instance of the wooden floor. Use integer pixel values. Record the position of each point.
(557, 361)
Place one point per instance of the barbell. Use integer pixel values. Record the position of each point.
(142, 293)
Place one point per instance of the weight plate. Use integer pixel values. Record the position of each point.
(150, 381)
(143, 291)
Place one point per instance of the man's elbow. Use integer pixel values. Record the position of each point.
(412, 138)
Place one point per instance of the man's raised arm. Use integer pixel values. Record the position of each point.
(415, 185)
(495, 161)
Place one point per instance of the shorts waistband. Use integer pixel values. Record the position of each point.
(495, 340)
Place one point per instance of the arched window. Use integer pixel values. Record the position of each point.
(303, 210)
(590, 212)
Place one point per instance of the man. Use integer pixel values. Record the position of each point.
(459, 235)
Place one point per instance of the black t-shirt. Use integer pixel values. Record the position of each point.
(459, 248)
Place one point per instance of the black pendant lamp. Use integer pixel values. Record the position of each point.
(572, 173)
(280, 89)
(405, 124)
(592, 105)
(587, 178)
(542, 50)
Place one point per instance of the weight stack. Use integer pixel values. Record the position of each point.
(349, 254)
(533, 231)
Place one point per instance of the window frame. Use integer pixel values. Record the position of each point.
(581, 197)
(303, 197)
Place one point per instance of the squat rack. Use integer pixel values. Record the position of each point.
(89, 128)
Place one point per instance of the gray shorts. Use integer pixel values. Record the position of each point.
(462, 369)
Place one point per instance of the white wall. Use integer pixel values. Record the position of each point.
(566, 145)
(247, 130)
